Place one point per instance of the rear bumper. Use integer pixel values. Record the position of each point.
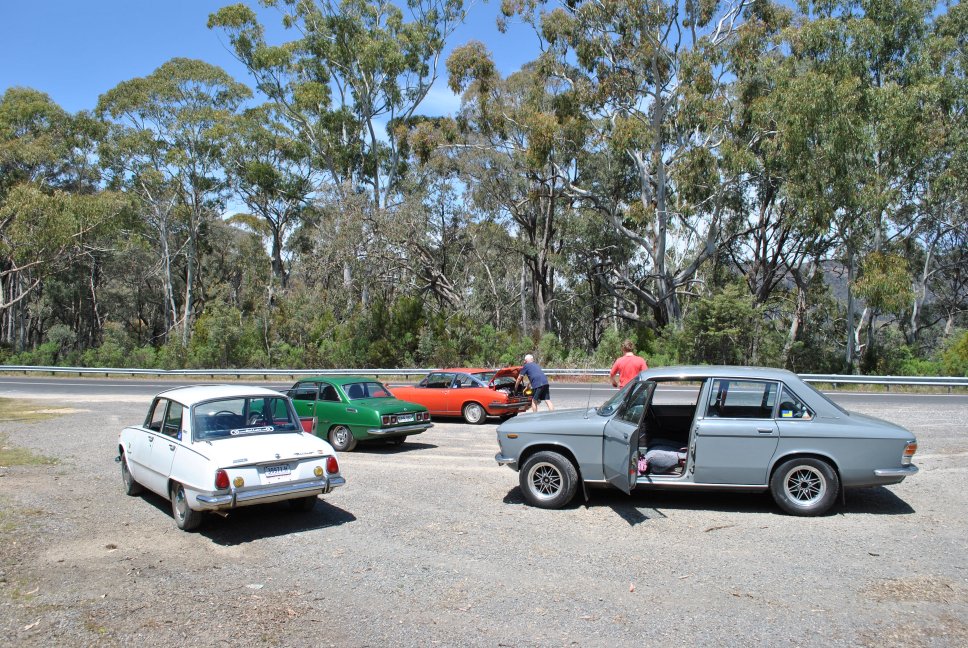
(270, 493)
(417, 428)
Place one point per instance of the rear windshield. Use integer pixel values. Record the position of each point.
(243, 416)
(368, 389)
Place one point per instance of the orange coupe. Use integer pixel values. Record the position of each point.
(474, 394)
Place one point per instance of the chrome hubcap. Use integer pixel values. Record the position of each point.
(805, 485)
(342, 436)
(474, 413)
(180, 504)
(545, 480)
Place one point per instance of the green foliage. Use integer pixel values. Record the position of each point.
(954, 359)
(727, 328)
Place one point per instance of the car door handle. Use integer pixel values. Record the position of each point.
(765, 430)
(352, 410)
(150, 439)
(171, 446)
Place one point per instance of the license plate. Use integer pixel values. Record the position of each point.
(405, 418)
(278, 470)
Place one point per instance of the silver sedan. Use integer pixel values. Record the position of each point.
(708, 428)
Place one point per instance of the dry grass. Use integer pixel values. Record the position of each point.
(20, 411)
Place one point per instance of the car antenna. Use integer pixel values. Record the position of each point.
(588, 402)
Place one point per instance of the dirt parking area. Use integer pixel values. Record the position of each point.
(431, 544)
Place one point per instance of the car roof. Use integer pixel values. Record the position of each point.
(192, 394)
(462, 370)
(337, 380)
(717, 371)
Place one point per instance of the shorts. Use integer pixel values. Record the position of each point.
(541, 393)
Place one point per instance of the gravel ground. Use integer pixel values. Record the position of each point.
(431, 544)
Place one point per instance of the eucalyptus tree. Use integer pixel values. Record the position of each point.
(170, 130)
(860, 99)
(654, 78)
(355, 71)
(517, 138)
(51, 212)
(270, 171)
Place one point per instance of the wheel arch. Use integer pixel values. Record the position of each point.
(564, 451)
(802, 454)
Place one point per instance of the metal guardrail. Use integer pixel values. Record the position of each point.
(832, 379)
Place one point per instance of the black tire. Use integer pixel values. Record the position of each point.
(304, 504)
(474, 413)
(548, 480)
(131, 486)
(341, 438)
(805, 486)
(186, 518)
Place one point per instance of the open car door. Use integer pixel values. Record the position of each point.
(620, 445)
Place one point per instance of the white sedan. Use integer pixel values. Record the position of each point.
(218, 447)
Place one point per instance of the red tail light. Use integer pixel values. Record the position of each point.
(221, 479)
(332, 466)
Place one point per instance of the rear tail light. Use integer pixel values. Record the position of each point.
(221, 479)
(909, 451)
(332, 466)
(424, 416)
(389, 419)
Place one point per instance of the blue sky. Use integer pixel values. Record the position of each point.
(75, 50)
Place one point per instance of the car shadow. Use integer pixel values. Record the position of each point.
(384, 448)
(260, 521)
(642, 506)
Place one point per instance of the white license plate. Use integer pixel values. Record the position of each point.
(278, 470)
(405, 418)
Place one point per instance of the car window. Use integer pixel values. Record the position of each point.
(156, 415)
(608, 407)
(440, 380)
(792, 407)
(464, 380)
(751, 399)
(243, 416)
(328, 393)
(368, 389)
(633, 407)
(173, 420)
(304, 392)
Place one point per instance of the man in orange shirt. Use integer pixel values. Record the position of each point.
(628, 366)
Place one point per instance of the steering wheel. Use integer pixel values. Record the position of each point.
(256, 418)
(223, 413)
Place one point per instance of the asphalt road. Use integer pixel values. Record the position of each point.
(574, 393)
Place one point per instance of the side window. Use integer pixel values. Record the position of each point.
(792, 407)
(157, 415)
(744, 399)
(328, 393)
(304, 392)
(440, 380)
(173, 420)
(633, 408)
(464, 380)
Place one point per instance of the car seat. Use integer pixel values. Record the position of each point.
(355, 391)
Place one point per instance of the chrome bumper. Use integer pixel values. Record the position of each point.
(902, 472)
(403, 429)
(523, 405)
(256, 494)
(504, 460)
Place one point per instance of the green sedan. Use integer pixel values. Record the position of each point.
(348, 409)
